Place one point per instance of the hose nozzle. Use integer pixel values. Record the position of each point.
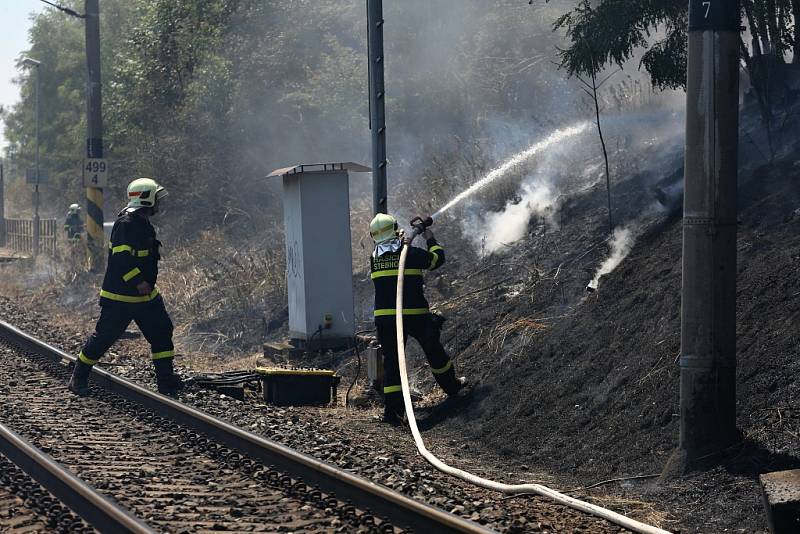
(420, 224)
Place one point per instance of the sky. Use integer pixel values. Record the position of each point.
(14, 24)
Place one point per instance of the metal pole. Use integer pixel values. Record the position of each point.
(2, 207)
(94, 136)
(377, 104)
(708, 311)
(36, 184)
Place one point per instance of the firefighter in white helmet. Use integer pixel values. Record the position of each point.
(129, 291)
(73, 224)
(418, 321)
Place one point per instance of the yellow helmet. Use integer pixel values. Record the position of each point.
(383, 228)
(143, 193)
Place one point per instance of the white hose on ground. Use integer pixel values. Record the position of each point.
(538, 489)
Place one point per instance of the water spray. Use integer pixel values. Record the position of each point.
(513, 162)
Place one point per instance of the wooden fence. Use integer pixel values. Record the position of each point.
(19, 235)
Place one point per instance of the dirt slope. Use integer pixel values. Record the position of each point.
(594, 392)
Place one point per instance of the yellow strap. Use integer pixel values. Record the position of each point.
(164, 354)
(406, 311)
(128, 298)
(121, 248)
(443, 369)
(85, 359)
(436, 258)
(130, 274)
(129, 249)
(392, 389)
(394, 272)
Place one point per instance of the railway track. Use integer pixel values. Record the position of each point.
(178, 469)
(25, 506)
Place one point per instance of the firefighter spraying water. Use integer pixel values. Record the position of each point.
(417, 319)
(402, 265)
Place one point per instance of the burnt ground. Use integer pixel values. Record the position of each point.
(576, 388)
(586, 384)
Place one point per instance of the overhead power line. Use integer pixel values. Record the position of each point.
(66, 10)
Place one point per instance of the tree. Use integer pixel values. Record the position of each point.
(582, 60)
(618, 28)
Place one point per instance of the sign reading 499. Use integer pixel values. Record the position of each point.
(95, 173)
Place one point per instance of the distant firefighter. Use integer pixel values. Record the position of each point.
(73, 224)
(418, 321)
(129, 291)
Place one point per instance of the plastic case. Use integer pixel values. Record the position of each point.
(294, 387)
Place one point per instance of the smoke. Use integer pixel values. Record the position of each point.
(501, 228)
(513, 162)
(644, 150)
(622, 242)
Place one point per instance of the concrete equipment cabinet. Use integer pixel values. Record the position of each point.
(319, 259)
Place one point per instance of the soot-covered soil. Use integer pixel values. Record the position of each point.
(586, 384)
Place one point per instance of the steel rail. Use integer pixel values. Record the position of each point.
(95, 508)
(401, 511)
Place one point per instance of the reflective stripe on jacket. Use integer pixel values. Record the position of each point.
(133, 255)
(384, 277)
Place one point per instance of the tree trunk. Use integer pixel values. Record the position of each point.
(754, 31)
(761, 87)
(796, 15)
(605, 152)
(772, 26)
(761, 26)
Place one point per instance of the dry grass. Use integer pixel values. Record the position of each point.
(524, 326)
(224, 295)
(646, 512)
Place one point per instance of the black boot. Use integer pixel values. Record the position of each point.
(79, 383)
(394, 411)
(462, 382)
(450, 383)
(167, 381)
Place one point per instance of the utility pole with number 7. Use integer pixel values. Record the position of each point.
(708, 311)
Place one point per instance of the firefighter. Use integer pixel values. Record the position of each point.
(418, 322)
(129, 291)
(73, 225)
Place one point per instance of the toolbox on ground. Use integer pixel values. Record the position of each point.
(288, 387)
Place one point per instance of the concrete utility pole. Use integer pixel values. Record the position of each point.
(708, 312)
(94, 134)
(377, 104)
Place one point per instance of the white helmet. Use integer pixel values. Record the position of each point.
(143, 193)
(74, 208)
(383, 228)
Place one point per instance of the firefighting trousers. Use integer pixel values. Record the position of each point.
(151, 318)
(426, 331)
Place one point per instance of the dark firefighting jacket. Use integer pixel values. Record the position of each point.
(133, 255)
(384, 276)
(73, 225)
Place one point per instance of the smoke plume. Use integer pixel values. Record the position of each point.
(511, 224)
(621, 244)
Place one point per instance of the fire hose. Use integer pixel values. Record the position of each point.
(618, 519)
